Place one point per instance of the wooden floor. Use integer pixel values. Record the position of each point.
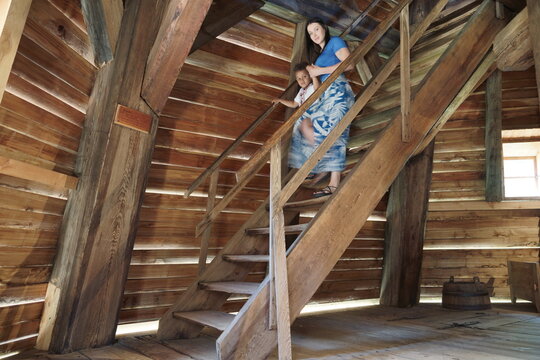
(424, 332)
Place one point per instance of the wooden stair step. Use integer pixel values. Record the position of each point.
(231, 287)
(310, 204)
(289, 229)
(214, 319)
(246, 258)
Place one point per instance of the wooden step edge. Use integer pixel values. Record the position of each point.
(289, 229)
(314, 203)
(246, 258)
(215, 319)
(231, 287)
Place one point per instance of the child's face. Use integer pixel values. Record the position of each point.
(303, 78)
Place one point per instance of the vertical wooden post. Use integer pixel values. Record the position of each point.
(13, 15)
(405, 74)
(278, 260)
(406, 215)
(404, 237)
(205, 238)
(85, 293)
(493, 138)
(533, 7)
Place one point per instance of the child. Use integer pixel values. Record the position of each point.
(308, 86)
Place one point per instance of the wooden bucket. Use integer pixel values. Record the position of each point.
(465, 295)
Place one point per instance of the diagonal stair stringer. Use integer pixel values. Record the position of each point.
(328, 235)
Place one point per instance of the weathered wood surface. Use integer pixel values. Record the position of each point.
(103, 19)
(427, 329)
(512, 46)
(320, 241)
(533, 8)
(221, 16)
(494, 151)
(182, 19)
(405, 230)
(12, 19)
(114, 162)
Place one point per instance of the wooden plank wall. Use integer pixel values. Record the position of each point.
(41, 120)
(469, 243)
(222, 88)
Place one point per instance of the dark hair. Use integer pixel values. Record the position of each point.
(314, 50)
(300, 66)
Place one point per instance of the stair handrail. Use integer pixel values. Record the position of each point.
(257, 160)
(217, 162)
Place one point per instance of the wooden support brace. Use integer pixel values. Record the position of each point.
(182, 20)
(13, 15)
(212, 190)
(103, 19)
(512, 46)
(405, 74)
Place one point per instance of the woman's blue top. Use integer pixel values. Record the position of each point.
(328, 56)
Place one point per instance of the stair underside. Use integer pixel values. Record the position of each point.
(231, 287)
(214, 319)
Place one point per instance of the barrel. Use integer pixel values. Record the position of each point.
(465, 295)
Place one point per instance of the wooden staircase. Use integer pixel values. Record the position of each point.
(320, 243)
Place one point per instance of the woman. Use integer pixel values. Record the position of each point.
(327, 53)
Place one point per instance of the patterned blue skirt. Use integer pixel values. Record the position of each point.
(325, 113)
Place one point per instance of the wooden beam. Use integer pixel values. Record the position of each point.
(484, 205)
(205, 238)
(512, 46)
(279, 298)
(329, 234)
(13, 15)
(534, 30)
(182, 20)
(21, 170)
(404, 234)
(485, 68)
(493, 138)
(85, 293)
(405, 73)
(103, 19)
(222, 15)
(407, 213)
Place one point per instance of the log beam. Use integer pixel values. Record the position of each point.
(533, 7)
(182, 20)
(13, 15)
(85, 291)
(493, 138)
(103, 19)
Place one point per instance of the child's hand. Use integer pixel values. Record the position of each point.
(276, 100)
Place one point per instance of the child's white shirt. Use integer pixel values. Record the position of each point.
(303, 94)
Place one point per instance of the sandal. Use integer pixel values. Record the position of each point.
(325, 191)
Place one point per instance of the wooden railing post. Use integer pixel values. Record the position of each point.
(405, 73)
(212, 190)
(279, 288)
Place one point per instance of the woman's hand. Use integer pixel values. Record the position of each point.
(314, 70)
